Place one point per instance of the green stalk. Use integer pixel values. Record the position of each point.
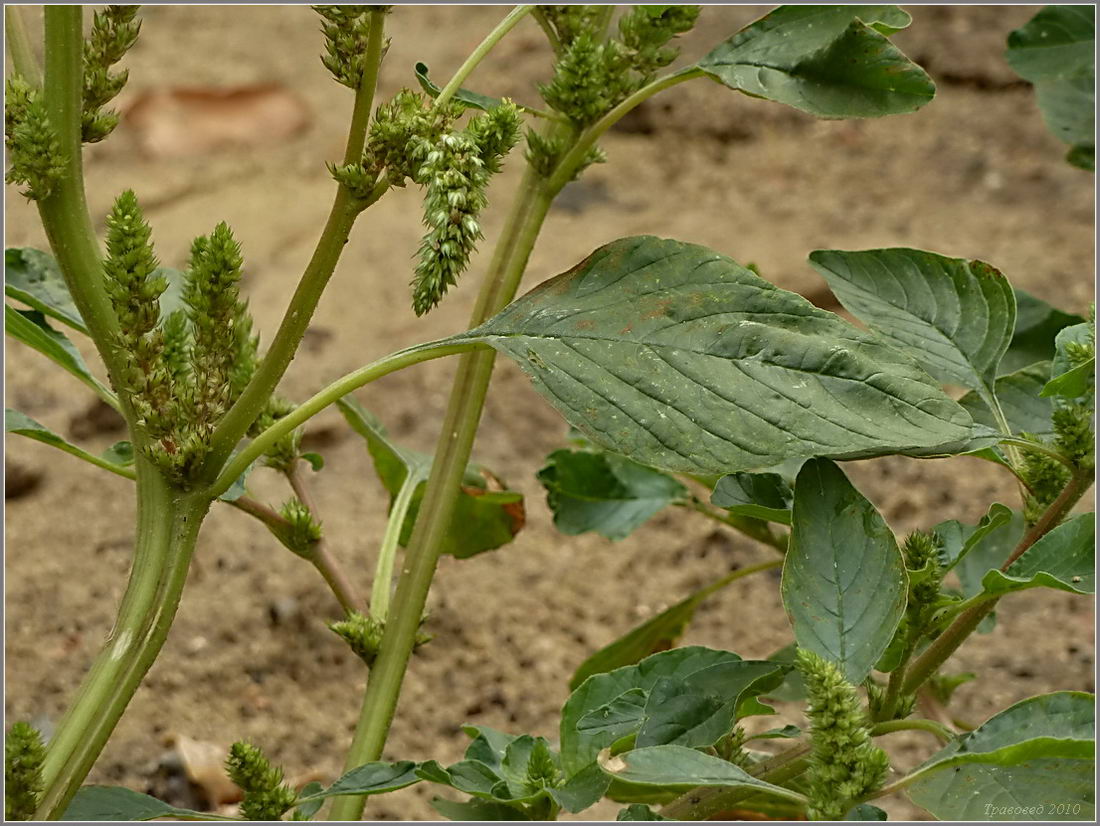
(942, 732)
(967, 622)
(330, 395)
(19, 42)
(478, 54)
(756, 529)
(451, 457)
(345, 209)
(168, 525)
(387, 554)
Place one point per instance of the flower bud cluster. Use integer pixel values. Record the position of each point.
(542, 770)
(23, 756)
(266, 797)
(114, 31)
(845, 765)
(346, 29)
(363, 634)
(34, 153)
(402, 133)
(569, 21)
(455, 174)
(301, 532)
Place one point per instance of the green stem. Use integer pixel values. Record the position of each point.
(451, 457)
(540, 17)
(941, 731)
(575, 157)
(167, 528)
(320, 555)
(64, 213)
(330, 395)
(967, 622)
(1036, 447)
(387, 554)
(19, 44)
(345, 209)
(478, 54)
(753, 528)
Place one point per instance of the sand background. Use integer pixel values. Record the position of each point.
(973, 174)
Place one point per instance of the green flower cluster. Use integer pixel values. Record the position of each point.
(845, 765)
(569, 21)
(363, 634)
(542, 770)
(34, 154)
(181, 375)
(455, 174)
(23, 756)
(346, 29)
(114, 31)
(301, 532)
(266, 797)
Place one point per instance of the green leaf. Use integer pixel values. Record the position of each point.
(32, 328)
(120, 453)
(959, 540)
(605, 493)
(1055, 52)
(470, 99)
(1019, 396)
(829, 61)
(1062, 559)
(1037, 753)
(1074, 383)
(792, 689)
(679, 766)
(610, 706)
(956, 317)
(639, 811)
(758, 495)
(1037, 323)
(32, 277)
(582, 790)
(844, 580)
(477, 810)
(306, 811)
(114, 460)
(658, 633)
(683, 360)
(865, 811)
(1083, 156)
(370, 778)
(106, 803)
(486, 515)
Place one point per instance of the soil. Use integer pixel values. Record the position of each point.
(973, 174)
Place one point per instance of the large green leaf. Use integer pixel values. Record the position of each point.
(1062, 559)
(844, 579)
(610, 706)
(115, 803)
(32, 328)
(1038, 753)
(485, 518)
(1055, 51)
(32, 277)
(1018, 393)
(1037, 323)
(605, 493)
(683, 360)
(679, 766)
(830, 61)
(115, 460)
(956, 317)
(658, 633)
(757, 495)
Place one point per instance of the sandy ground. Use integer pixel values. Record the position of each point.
(973, 174)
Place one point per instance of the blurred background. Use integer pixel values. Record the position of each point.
(229, 115)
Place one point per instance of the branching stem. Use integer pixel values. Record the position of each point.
(483, 49)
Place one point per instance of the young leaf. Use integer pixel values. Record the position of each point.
(958, 540)
(1037, 323)
(31, 328)
(24, 425)
(610, 706)
(658, 633)
(758, 495)
(1055, 52)
(1019, 396)
(370, 778)
(1040, 750)
(639, 811)
(604, 493)
(470, 99)
(32, 277)
(485, 518)
(829, 61)
(1062, 559)
(844, 580)
(956, 317)
(679, 766)
(115, 803)
(1073, 383)
(683, 360)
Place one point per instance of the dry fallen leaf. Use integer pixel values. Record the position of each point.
(204, 765)
(190, 121)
